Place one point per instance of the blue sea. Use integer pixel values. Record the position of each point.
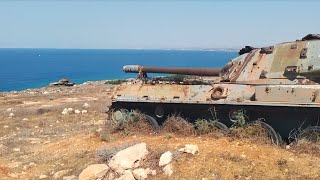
(32, 68)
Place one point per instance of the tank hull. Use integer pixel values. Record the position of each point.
(286, 120)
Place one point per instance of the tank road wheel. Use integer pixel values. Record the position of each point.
(219, 125)
(153, 122)
(272, 134)
(310, 134)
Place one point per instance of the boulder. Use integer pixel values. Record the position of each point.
(168, 170)
(190, 148)
(128, 158)
(94, 172)
(127, 175)
(165, 158)
(140, 174)
(61, 173)
(77, 111)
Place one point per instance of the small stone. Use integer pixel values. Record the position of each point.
(43, 176)
(86, 105)
(84, 112)
(32, 164)
(65, 111)
(16, 149)
(95, 171)
(5, 126)
(25, 119)
(140, 174)
(291, 159)
(70, 109)
(61, 173)
(190, 148)
(127, 175)
(13, 175)
(77, 111)
(243, 156)
(9, 110)
(288, 147)
(99, 122)
(11, 115)
(73, 177)
(153, 172)
(165, 158)
(168, 170)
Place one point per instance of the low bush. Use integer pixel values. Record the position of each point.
(177, 125)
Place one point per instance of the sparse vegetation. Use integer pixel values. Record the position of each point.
(177, 125)
(54, 142)
(253, 132)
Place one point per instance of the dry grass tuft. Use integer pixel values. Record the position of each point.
(305, 147)
(178, 125)
(253, 132)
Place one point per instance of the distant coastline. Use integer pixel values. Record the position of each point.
(143, 49)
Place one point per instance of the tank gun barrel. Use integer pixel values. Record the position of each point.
(172, 70)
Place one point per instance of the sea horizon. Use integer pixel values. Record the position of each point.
(25, 68)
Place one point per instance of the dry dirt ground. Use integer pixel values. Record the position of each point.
(39, 140)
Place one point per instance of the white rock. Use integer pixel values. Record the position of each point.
(73, 177)
(13, 175)
(86, 105)
(43, 176)
(77, 111)
(243, 156)
(165, 158)
(288, 147)
(25, 119)
(16, 149)
(5, 126)
(65, 111)
(93, 172)
(127, 175)
(61, 173)
(153, 172)
(140, 174)
(45, 92)
(70, 109)
(11, 115)
(84, 111)
(190, 148)
(9, 110)
(128, 158)
(99, 122)
(168, 170)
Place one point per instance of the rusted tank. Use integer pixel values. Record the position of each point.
(277, 84)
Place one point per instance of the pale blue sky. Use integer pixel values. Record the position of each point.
(154, 24)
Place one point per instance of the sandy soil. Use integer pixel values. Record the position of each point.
(39, 140)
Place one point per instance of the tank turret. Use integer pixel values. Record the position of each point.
(278, 83)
